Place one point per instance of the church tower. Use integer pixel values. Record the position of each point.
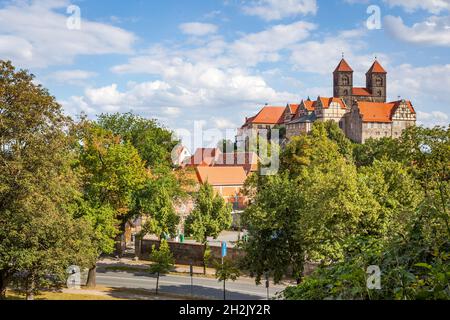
(343, 82)
(376, 79)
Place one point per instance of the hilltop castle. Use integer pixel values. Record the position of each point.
(362, 113)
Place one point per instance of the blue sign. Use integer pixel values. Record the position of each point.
(224, 249)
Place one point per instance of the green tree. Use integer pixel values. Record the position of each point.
(39, 235)
(162, 261)
(408, 238)
(112, 173)
(211, 216)
(308, 211)
(153, 142)
(226, 271)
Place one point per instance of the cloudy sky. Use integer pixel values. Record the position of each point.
(218, 61)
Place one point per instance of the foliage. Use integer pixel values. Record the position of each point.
(162, 259)
(153, 142)
(410, 243)
(211, 215)
(40, 235)
(228, 270)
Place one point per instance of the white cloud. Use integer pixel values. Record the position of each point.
(433, 6)
(322, 57)
(198, 29)
(266, 45)
(278, 9)
(431, 119)
(74, 77)
(434, 31)
(33, 34)
(426, 87)
(223, 123)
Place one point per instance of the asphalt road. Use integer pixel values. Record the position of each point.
(243, 289)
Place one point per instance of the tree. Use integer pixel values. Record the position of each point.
(408, 237)
(308, 211)
(153, 142)
(40, 235)
(155, 202)
(211, 216)
(162, 259)
(226, 271)
(112, 173)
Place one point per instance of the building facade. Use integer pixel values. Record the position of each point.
(361, 112)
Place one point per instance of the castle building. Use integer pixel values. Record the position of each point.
(376, 84)
(361, 112)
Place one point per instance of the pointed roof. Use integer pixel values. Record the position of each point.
(343, 66)
(376, 68)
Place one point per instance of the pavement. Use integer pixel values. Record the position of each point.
(129, 274)
(205, 288)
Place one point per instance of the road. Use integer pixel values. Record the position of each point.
(243, 289)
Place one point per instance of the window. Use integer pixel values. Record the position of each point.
(345, 80)
(379, 81)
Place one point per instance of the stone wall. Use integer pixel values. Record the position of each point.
(185, 253)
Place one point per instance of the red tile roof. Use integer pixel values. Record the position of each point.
(310, 105)
(361, 92)
(376, 68)
(221, 176)
(343, 66)
(326, 102)
(293, 108)
(204, 157)
(269, 115)
(380, 112)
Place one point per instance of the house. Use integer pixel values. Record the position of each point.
(203, 157)
(227, 182)
(268, 118)
(179, 155)
(377, 119)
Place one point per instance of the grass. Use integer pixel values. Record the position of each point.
(101, 293)
(59, 296)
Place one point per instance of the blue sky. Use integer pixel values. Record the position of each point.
(218, 61)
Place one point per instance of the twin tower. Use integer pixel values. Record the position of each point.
(376, 86)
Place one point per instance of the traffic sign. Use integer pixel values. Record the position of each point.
(224, 249)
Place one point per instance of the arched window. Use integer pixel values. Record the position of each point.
(380, 93)
(379, 82)
(345, 80)
(345, 92)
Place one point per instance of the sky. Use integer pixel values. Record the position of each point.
(215, 62)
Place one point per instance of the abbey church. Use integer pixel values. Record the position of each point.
(361, 112)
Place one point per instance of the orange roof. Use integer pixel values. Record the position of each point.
(326, 102)
(293, 108)
(204, 157)
(380, 112)
(343, 67)
(376, 68)
(221, 176)
(361, 92)
(269, 115)
(310, 105)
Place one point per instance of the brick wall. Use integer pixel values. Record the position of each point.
(184, 253)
